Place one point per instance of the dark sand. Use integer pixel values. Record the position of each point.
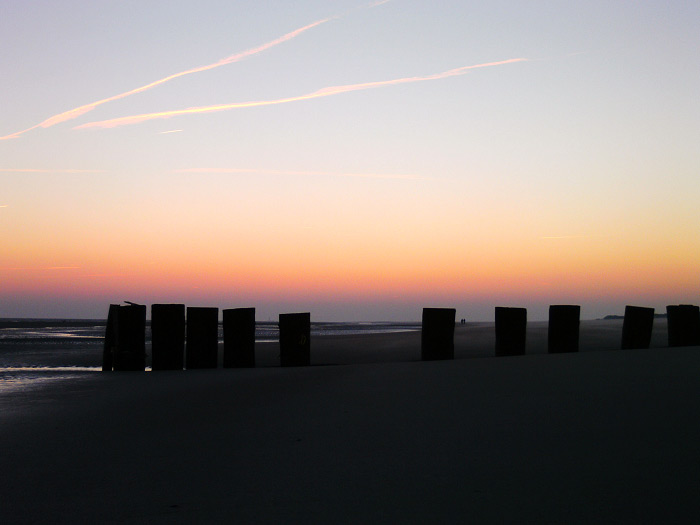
(599, 436)
(471, 340)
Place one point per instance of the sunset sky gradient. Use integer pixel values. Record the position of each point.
(356, 160)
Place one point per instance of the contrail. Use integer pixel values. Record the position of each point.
(303, 173)
(28, 170)
(41, 269)
(81, 110)
(566, 237)
(325, 92)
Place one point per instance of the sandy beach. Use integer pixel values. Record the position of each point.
(599, 436)
(473, 340)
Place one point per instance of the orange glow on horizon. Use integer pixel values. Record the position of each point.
(341, 277)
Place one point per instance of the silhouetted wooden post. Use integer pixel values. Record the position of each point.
(437, 340)
(693, 313)
(636, 327)
(239, 337)
(674, 322)
(693, 325)
(683, 325)
(131, 338)
(202, 337)
(295, 339)
(511, 324)
(110, 339)
(168, 336)
(563, 328)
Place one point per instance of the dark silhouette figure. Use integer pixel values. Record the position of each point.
(202, 337)
(683, 325)
(295, 339)
(511, 324)
(168, 336)
(125, 335)
(239, 338)
(636, 327)
(437, 334)
(563, 328)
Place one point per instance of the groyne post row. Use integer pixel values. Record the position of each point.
(437, 337)
(125, 340)
(125, 346)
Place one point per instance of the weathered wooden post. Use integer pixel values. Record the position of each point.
(130, 352)
(563, 328)
(110, 339)
(437, 340)
(202, 337)
(295, 339)
(636, 327)
(693, 316)
(693, 325)
(511, 325)
(167, 336)
(683, 321)
(674, 323)
(239, 338)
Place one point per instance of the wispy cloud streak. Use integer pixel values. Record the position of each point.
(569, 237)
(29, 170)
(45, 268)
(81, 110)
(255, 171)
(325, 92)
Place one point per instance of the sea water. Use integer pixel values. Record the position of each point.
(34, 351)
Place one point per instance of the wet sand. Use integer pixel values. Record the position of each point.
(471, 341)
(599, 436)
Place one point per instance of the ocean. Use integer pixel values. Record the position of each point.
(33, 351)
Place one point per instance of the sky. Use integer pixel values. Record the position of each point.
(357, 160)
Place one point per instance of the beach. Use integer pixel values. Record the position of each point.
(370, 434)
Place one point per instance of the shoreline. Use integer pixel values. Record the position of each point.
(471, 340)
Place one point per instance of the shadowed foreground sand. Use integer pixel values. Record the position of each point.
(608, 436)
